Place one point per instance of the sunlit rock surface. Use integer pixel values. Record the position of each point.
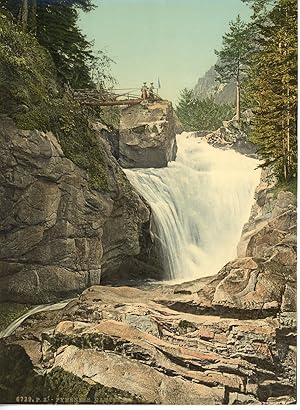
(57, 234)
(168, 344)
(147, 135)
(224, 339)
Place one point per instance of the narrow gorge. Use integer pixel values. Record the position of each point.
(148, 225)
(198, 324)
(200, 203)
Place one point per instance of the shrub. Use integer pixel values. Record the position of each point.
(27, 73)
(27, 77)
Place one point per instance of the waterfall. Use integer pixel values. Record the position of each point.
(200, 203)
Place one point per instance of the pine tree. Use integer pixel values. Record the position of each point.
(272, 89)
(54, 22)
(205, 114)
(233, 57)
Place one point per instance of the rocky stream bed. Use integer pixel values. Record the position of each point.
(224, 339)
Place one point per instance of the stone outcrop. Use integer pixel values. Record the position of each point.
(147, 135)
(164, 345)
(272, 218)
(225, 339)
(233, 135)
(56, 232)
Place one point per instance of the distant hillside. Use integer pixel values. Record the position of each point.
(207, 86)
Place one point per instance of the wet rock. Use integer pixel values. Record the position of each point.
(233, 135)
(147, 135)
(130, 340)
(58, 235)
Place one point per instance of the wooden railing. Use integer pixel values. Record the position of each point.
(108, 98)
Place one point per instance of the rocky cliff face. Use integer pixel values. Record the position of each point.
(57, 234)
(207, 86)
(147, 135)
(226, 339)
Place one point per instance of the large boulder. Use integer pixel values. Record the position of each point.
(233, 135)
(147, 135)
(54, 227)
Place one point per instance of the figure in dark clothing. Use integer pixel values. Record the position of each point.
(151, 95)
(144, 91)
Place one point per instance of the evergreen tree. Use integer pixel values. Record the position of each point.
(233, 57)
(54, 22)
(272, 88)
(259, 7)
(57, 31)
(205, 114)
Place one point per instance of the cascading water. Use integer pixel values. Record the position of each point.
(200, 203)
(37, 309)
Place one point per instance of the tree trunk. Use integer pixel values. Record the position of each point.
(33, 12)
(238, 101)
(24, 14)
(288, 153)
(238, 95)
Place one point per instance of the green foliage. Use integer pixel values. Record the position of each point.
(195, 114)
(11, 311)
(27, 73)
(28, 77)
(67, 387)
(15, 366)
(272, 89)
(62, 387)
(54, 23)
(111, 116)
(69, 121)
(266, 52)
(58, 32)
(290, 185)
(259, 7)
(233, 57)
(234, 54)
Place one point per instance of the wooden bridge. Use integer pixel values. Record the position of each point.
(114, 97)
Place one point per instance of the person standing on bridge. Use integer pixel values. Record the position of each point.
(151, 92)
(144, 91)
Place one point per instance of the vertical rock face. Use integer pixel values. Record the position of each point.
(224, 339)
(272, 222)
(207, 86)
(53, 226)
(147, 135)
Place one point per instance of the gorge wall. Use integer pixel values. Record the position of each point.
(225, 339)
(58, 235)
(207, 86)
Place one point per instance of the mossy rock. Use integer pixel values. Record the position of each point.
(290, 186)
(15, 367)
(69, 122)
(11, 311)
(62, 387)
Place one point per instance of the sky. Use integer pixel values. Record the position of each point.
(173, 40)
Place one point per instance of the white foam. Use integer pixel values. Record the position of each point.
(200, 203)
